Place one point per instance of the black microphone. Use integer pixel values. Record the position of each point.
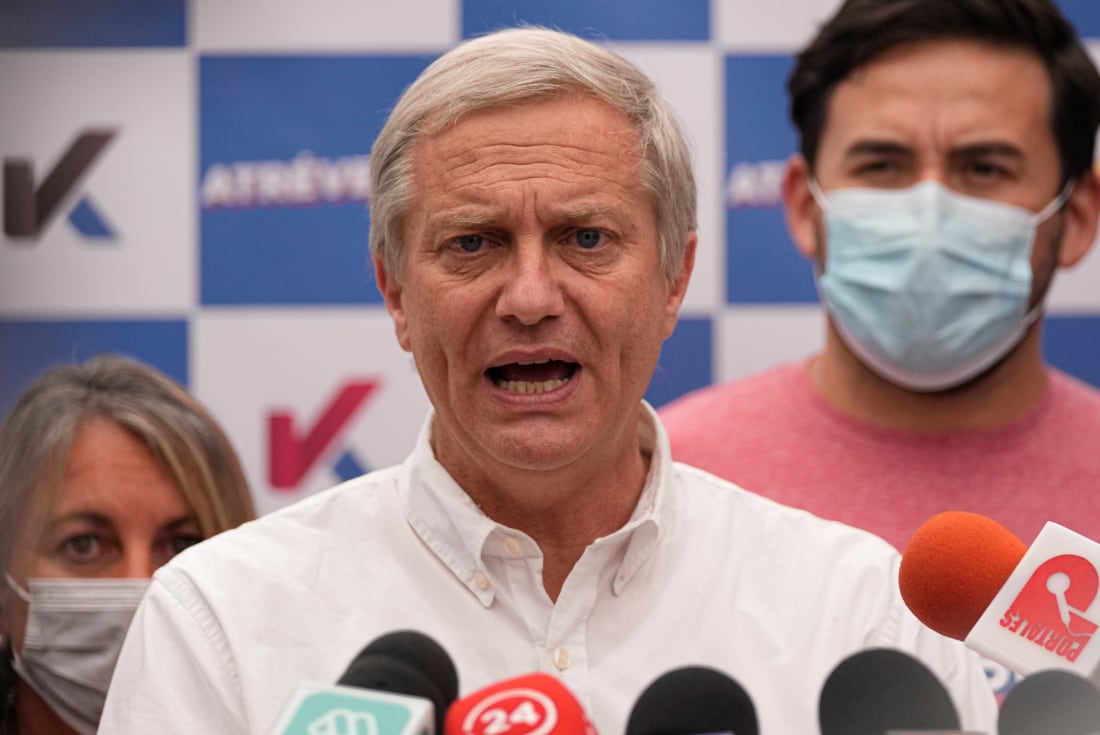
(400, 684)
(693, 700)
(1051, 702)
(881, 689)
(406, 662)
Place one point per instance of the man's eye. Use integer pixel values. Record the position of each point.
(877, 167)
(986, 170)
(588, 239)
(471, 243)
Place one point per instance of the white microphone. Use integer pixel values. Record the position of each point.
(968, 577)
(400, 684)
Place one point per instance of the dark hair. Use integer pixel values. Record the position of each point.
(862, 30)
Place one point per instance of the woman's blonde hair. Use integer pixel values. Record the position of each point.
(183, 437)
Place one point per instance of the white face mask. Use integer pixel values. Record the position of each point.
(75, 629)
(926, 286)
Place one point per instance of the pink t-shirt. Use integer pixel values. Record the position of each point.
(775, 435)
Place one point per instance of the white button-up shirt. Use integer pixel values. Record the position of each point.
(704, 573)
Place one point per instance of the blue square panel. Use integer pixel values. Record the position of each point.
(686, 363)
(1072, 343)
(285, 174)
(30, 346)
(762, 264)
(92, 23)
(1084, 15)
(616, 20)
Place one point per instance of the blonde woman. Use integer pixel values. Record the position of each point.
(107, 470)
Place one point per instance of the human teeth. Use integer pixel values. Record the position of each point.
(530, 386)
(534, 362)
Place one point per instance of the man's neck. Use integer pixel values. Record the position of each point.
(563, 509)
(1002, 394)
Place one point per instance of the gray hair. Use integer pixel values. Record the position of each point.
(519, 65)
(186, 442)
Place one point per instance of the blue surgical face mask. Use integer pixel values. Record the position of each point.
(926, 286)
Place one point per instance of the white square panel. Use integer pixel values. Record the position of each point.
(280, 26)
(748, 26)
(250, 367)
(750, 339)
(139, 184)
(699, 107)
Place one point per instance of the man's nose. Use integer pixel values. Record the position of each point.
(531, 291)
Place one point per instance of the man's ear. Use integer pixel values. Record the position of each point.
(1081, 212)
(800, 209)
(678, 287)
(393, 292)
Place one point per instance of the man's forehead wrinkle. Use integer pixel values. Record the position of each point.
(522, 153)
(479, 175)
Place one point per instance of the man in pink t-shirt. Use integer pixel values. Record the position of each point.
(945, 173)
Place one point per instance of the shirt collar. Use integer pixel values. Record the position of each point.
(461, 535)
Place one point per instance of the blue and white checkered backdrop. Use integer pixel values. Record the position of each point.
(200, 172)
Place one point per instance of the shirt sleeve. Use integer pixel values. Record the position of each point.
(175, 673)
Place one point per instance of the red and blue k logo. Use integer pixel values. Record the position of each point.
(294, 449)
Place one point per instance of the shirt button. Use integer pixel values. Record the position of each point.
(561, 658)
(481, 581)
(512, 547)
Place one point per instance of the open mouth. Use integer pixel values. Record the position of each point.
(532, 377)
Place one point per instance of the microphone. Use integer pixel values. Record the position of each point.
(533, 704)
(882, 690)
(399, 684)
(693, 700)
(1051, 701)
(968, 577)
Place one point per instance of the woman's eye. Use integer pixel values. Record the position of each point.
(179, 543)
(588, 239)
(84, 547)
(471, 243)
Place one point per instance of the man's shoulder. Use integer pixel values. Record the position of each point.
(294, 535)
(721, 502)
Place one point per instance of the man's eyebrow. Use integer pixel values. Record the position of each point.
(988, 148)
(461, 219)
(872, 147)
(475, 218)
(583, 212)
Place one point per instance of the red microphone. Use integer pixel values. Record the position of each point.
(968, 577)
(533, 704)
(954, 566)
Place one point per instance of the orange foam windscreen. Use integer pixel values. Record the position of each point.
(954, 566)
